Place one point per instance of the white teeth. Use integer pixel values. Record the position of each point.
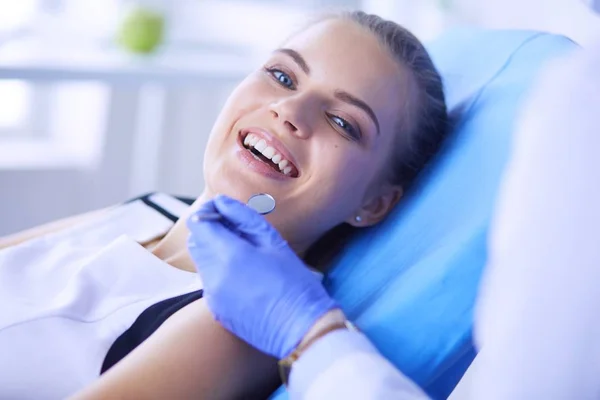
(261, 145)
(250, 140)
(269, 152)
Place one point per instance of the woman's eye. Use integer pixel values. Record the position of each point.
(346, 126)
(281, 77)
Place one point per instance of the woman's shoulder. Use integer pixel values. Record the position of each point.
(156, 211)
(51, 227)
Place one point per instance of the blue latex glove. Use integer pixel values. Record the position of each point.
(254, 283)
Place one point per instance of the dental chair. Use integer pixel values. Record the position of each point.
(410, 284)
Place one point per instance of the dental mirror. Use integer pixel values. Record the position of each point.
(262, 203)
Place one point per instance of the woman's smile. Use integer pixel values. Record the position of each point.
(265, 154)
(270, 149)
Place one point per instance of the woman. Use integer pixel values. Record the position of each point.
(336, 125)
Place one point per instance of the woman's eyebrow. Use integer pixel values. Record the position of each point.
(348, 98)
(297, 58)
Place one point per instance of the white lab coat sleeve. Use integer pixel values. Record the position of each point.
(345, 365)
(538, 320)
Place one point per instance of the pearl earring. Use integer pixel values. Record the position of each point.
(358, 218)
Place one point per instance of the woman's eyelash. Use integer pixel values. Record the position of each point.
(348, 128)
(281, 77)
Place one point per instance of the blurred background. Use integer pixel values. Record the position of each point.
(104, 100)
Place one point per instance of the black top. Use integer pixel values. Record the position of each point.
(154, 316)
(145, 325)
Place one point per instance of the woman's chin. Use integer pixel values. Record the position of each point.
(238, 181)
(238, 185)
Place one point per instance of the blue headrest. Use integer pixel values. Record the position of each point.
(411, 282)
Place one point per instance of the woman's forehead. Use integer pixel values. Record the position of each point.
(345, 56)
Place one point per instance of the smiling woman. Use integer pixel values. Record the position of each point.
(356, 108)
(335, 125)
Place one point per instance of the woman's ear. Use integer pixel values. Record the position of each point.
(378, 207)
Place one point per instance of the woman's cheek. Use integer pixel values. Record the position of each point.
(243, 102)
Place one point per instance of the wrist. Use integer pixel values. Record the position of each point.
(332, 318)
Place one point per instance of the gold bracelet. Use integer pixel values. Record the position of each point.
(285, 365)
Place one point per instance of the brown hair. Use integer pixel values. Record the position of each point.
(425, 123)
(423, 127)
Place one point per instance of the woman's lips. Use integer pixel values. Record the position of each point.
(255, 164)
(270, 147)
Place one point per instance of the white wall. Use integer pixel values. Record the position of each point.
(428, 18)
(573, 18)
(134, 159)
(31, 196)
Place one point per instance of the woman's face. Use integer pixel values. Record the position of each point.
(315, 129)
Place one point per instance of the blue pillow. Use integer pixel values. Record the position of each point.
(410, 283)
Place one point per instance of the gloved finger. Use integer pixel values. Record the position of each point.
(248, 222)
(206, 267)
(208, 207)
(215, 267)
(212, 236)
(223, 266)
(205, 208)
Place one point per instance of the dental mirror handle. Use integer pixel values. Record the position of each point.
(262, 203)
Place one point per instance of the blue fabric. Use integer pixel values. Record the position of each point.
(410, 283)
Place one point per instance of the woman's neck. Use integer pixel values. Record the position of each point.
(172, 249)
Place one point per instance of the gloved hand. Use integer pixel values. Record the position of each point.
(254, 283)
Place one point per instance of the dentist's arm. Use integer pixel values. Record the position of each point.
(343, 364)
(539, 324)
(259, 290)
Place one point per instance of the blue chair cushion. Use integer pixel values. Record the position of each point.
(410, 283)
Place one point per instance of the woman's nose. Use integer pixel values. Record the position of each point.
(291, 116)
